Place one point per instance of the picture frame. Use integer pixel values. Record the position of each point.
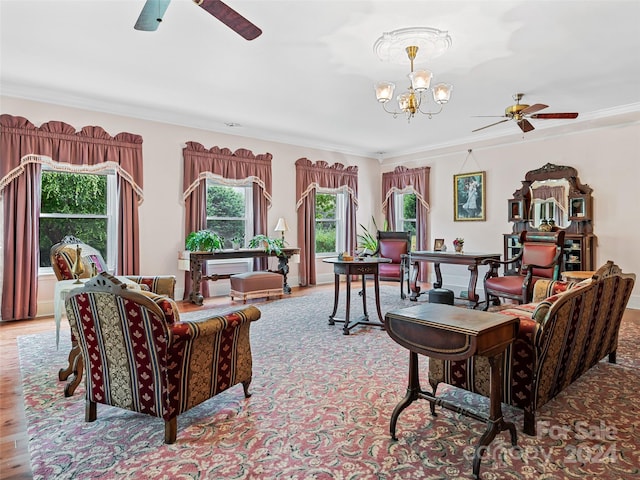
(438, 244)
(469, 197)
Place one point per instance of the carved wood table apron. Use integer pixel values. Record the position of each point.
(199, 259)
(437, 257)
(451, 333)
(359, 266)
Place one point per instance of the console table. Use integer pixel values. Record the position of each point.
(452, 333)
(472, 260)
(358, 266)
(198, 259)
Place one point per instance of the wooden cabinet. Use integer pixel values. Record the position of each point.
(577, 255)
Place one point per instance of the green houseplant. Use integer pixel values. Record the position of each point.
(368, 239)
(270, 245)
(204, 241)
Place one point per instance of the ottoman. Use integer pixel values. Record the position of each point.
(256, 284)
(441, 295)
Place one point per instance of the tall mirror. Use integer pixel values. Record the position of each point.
(550, 203)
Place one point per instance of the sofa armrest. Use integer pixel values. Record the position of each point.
(544, 289)
(187, 330)
(159, 284)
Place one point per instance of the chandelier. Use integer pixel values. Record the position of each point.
(392, 47)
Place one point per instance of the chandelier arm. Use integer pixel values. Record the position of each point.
(430, 113)
(394, 112)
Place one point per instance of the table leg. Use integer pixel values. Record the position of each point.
(438, 282)
(364, 298)
(376, 286)
(496, 421)
(471, 290)
(413, 391)
(345, 330)
(283, 268)
(413, 283)
(196, 277)
(336, 294)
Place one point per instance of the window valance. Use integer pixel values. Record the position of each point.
(401, 179)
(200, 164)
(310, 175)
(23, 143)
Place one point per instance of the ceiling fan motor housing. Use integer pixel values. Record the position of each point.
(514, 110)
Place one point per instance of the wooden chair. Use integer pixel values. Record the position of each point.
(539, 257)
(396, 246)
(141, 356)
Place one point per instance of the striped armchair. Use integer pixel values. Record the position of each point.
(567, 329)
(143, 357)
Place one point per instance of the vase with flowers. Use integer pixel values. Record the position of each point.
(458, 243)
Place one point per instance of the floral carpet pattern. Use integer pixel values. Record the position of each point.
(320, 410)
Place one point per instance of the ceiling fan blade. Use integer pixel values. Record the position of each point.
(555, 115)
(533, 108)
(230, 18)
(525, 125)
(151, 15)
(487, 126)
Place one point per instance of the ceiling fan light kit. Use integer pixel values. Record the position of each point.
(520, 112)
(399, 44)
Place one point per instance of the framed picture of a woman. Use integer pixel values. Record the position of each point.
(469, 197)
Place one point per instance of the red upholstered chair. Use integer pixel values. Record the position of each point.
(539, 257)
(394, 245)
(142, 355)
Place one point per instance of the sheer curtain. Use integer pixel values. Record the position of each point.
(200, 164)
(404, 180)
(23, 149)
(309, 177)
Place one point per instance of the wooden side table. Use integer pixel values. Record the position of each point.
(453, 333)
(577, 276)
(359, 266)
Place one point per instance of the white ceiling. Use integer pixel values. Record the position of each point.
(308, 79)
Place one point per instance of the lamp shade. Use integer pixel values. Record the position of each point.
(384, 91)
(442, 93)
(281, 226)
(420, 80)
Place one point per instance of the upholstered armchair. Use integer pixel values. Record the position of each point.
(63, 258)
(142, 355)
(396, 246)
(539, 257)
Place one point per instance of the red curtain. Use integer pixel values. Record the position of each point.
(200, 164)
(309, 177)
(408, 180)
(23, 149)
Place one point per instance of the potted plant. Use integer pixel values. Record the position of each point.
(237, 241)
(204, 241)
(270, 245)
(368, 241)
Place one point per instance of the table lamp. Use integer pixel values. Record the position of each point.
(282, 227)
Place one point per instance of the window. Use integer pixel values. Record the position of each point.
(78, 204)
(330, 222)
(406, 213)
(229, 211)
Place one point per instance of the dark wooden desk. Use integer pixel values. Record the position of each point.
(359, 266)
(453, 333)
(198, 259)
(472, 260)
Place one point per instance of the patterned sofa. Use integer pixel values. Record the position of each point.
(566, 330)
(141, 355)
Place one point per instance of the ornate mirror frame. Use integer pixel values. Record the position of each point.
(578, 202)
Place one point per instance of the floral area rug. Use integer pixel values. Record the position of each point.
(320, 410)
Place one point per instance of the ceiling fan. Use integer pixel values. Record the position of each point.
(153, 11)
(520, 112)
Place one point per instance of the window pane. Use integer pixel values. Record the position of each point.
(227, 229)
(73, 193)
(225, 201)
(326, 223)
(92, 231)
(409, 206)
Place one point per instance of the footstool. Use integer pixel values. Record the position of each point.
(256, 284)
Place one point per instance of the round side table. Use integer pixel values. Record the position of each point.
(577, 276)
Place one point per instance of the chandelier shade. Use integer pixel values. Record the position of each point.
(411, 41)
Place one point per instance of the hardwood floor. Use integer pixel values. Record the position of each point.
(14, 453)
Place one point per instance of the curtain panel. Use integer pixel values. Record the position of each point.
(201, 164)
(408, 180)
(309, 177)
(23, 149)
